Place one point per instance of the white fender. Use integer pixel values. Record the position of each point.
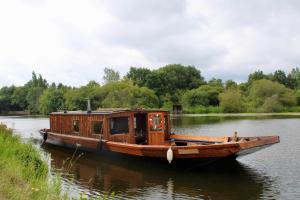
(170, 155)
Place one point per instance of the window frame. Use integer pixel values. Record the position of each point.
(73, 125)
(110, 125)
(93, 127)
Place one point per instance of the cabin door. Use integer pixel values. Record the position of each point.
(156, 134)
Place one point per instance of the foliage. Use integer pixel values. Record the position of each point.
(169, 80)
(215, 82)
(231, 101)
(76, 98)
(23, 174)
(294, 78)
(19, 98)
(257, 75)
(164, 87)
(6, 98)
(110, 75)
(195, 97)
(126, 94)
(280, 77)
(230, 84)
(51, 100)
(266, 94)
(213, 93)
(35, 88)
(138, 75)
(297, 94)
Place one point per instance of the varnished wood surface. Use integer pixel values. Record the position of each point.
(190, 151)
(155, 144)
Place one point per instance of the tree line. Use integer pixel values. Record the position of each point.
(164, 87)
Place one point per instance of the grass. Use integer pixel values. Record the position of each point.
(202, 109)
(23, 174)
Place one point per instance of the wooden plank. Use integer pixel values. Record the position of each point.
(188, 151)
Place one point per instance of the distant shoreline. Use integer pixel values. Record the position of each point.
(191, 114)
(240, 114)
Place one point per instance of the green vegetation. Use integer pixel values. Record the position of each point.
(23, 175)
(160, 88)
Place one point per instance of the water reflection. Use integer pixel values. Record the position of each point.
(132, 179)
(190, 120)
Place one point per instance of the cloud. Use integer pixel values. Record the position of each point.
(73, 41)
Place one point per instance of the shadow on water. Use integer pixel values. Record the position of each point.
(134, 179)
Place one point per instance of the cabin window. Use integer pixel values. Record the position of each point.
(76, 125)
(119, 125)
(97, 127)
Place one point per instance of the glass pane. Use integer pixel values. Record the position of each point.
(97, 127)
(76, 125)
(119, 125)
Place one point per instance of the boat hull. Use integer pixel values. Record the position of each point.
(192, 156)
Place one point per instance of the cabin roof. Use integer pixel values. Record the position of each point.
(108, 111)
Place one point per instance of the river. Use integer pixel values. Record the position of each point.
(273, 173)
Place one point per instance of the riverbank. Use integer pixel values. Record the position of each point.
(242, 114)
(23, 174)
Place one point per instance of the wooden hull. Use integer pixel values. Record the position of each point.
(194, 153)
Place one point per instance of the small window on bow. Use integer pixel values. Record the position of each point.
(76, 125)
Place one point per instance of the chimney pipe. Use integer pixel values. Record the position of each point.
(89, 110)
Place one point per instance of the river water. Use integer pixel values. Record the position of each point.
(273, 173)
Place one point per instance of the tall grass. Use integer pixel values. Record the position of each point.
(23, 174)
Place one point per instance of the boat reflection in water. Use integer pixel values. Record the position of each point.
(96, 174)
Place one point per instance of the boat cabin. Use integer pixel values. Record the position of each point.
(133, 126)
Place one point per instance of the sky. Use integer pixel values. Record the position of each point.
(72, 41)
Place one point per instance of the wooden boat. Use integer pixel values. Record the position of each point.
(144, 133)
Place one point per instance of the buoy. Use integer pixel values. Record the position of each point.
(170, 155)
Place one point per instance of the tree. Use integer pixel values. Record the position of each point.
(19, 97)
(32, 98)
(294, 78)
(231, 101)
(126, 94)
(215, 82)
(262, 90)
(110, 75)
(195, 97)
(51, 100)
(213, 93)
(76, 98)
(297, 94)
(6, 98)
(230, 84)
(257, 75)
(139, 76)
(280, 77)
(271, 104)
(172, 79)
(35, 88)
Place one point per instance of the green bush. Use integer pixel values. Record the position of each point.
(268, 96)
(231, 101)
(195, 97)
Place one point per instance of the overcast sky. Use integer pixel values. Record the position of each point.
(73, 41)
